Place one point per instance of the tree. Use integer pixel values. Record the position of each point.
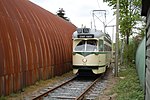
(61, 13)
(129, 18)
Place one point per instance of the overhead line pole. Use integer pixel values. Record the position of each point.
(117, 39)
(104, 23)
(94, 21)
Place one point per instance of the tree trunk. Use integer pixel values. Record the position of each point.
(127, 42)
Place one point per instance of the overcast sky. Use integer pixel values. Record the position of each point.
(80, 11)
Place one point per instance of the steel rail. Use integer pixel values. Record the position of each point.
(81, 96)
(46, 93)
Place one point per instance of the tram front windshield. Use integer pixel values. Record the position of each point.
(86, 45)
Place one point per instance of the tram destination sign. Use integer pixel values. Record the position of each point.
(86, 36)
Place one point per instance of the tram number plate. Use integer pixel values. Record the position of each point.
(86, 36)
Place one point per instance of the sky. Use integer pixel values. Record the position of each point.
(80, 12)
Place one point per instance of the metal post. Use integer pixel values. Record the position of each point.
(104, 22)
(122, 49)
(112, 38)
(94, 21)
(117, 39)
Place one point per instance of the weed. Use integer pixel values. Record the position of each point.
(129, 88)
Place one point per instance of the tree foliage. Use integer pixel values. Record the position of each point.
(129, 16)
(130, 22)
(61, 13)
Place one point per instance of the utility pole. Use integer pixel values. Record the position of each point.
(117, 39)
(122, 49)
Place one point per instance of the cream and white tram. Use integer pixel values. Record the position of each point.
(91, 51)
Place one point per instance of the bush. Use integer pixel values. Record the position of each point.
(130, 50)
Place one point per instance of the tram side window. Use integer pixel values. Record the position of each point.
(107, 48)
(100, 45)
(80, 46)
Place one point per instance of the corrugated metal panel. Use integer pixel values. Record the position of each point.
(34, 45)
(1, 54)
(148, 58)
(2, 86)
(148, 19)
(140, 62)
(147, 83)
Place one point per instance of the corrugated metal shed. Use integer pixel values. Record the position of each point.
(34, 45)
(140, 62)
(145, 7)
(146, 12)
(148, 56)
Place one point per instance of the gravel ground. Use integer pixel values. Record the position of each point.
(107, 92)
(31, 90)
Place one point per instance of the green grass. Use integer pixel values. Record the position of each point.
(3, 98)
(129, 88)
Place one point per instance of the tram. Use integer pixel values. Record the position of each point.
(92, 51)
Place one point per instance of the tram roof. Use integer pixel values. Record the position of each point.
(88, 33)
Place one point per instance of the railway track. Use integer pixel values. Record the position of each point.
(74, 89)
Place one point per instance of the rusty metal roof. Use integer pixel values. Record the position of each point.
(34, 44)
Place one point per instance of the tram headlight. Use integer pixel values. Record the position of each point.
(84, 60)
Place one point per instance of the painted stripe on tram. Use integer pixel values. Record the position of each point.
(88, 53)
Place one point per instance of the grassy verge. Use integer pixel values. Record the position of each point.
(3, 98)
(128, 87)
